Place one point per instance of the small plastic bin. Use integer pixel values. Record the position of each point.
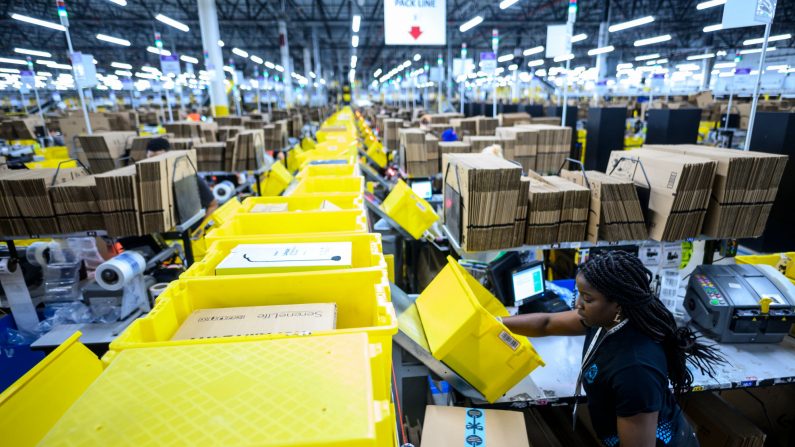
(348, 201)
(787, 260)
(458, 315)
(276, 180)
(327, 391)
(362, 299)
(346, 170)
(409, 210)
(366, 252)
(37, 400)
(245, 225)
(325, 185)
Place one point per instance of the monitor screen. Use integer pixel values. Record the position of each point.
(422, 188)
(528, 283)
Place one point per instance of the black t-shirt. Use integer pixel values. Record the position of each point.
(627, 376)
(206, 196)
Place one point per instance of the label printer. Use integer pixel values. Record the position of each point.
(741, 303)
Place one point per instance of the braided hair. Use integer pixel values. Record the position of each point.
(621, 277)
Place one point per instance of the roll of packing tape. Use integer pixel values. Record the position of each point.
(116, 273)
(157, 289)
(37, 253)
(223, 191)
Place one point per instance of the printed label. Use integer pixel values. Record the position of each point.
(509, 340)
(475, 435)
(671, 180)
(734, 285)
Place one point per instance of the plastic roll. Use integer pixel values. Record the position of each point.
(224, 190)
(116, 273)
(38, 253)
(157, 289)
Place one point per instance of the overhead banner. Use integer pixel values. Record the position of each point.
(742, 13)
(415, 22)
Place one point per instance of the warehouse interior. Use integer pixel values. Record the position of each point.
(397, 223)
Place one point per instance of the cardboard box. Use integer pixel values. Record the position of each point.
(718, 424)
(458, 426)
(512, 119)
(298, 319)
(246, 259)
(105, 149)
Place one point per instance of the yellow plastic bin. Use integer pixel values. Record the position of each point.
(325, 185)
(276, 180)
(784, 261)
(366, 251)
(362, 299)
(245, 225)
(37, 400)
(349, 201)
(329, 170)
(304, 391)
(458, 315)
(409, 210)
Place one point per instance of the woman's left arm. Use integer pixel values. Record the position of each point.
(639, 430)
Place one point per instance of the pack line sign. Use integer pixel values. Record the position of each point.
(742, 13)
(28, 78)
(463, 67)
(488, 62)
(85, 72)
(169, 65)
(415, 22)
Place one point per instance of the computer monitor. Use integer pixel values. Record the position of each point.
(422, 188)
(528, 282)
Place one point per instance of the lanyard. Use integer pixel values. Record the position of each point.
(596, 341)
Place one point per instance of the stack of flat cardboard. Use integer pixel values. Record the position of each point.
(297, 123)
(520, 222)
(481, 194)
(104, 149)
(210, 156)
(185, 129)
(512, 119)
(282, 132)
(279, 115)
(464, 126)
(615, 213)
(75, 124)
(26, 206)
(117, 198)
(719, 424)
(443, 118)
(156, 178)
(486, 126)
(438, 129)
(546, 120)
(184, 144)
(680, 189)
(525, 147)
(478, 143)
(75, 205)
(432, 149)
(255, 124)
(743, 192)
(391, 133)
(226, 133)
(138, 146)
(273, 137)
(245, 147)
(225, 121)
(573, 210)
(543, 212)
(19, 128)
(453, 147)
(554, 146)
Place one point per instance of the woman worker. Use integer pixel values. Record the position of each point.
(632, 350)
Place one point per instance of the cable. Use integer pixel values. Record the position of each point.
(397, 405)
(764, 408)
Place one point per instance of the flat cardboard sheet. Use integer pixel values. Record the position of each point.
(271, 258)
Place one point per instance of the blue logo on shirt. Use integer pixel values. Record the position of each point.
(590, 374)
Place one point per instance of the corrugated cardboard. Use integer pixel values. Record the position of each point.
(117, 198)
(156, 178)
(718, 424)
(248, 259)
(75, 204)
(299, 319)
(104, 149)
(453, 426)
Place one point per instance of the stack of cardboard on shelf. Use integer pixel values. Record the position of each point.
(512, 119)
(553, 147)
(481, 194)
(138, 146)
(226, 133)
(241, 152)
(443, 118)
(255, 124)
(391, 134)
(210, 156)
(543, 212)
(185, 129)
(573, 209)
(525, 147)
(225, 121)
(478, 143)
(156, 179)
(680, 189)
(74, 125)
(743, 192)
(615, 212)
(117, 198)
(432, 149)
(520, 221)
(486, 126)
(413, 153)
(546, 120)
(75, 204)
(19, 128)
(184, 144)
(453, 147)
(465, 126)
(273, 137)
(103, 150)
(26, 208)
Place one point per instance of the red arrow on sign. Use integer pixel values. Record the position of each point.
(415, 32)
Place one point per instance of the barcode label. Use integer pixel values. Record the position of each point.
(667, 293)
(671, 282)
(509, 340)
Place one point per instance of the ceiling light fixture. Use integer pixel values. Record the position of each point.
(578, 38)
(534, 50)
(630, 24)
(505, 58)
(602, 50)
(652, 40)
(471, 23)
(711, 28)
(5, 60)
(770, 39)
(355, 41)
(648, 57)
(121, 65)
(696, 57)
(32, 52)
(757, 50)
(172, 23)
(239, 52)
(356, 23)
(505, 4)
(710, 4)
(115, 40)
(535, 63)
(189, 59)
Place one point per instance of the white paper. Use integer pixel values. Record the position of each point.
(415, 22)
(556, 41)
(742, 13)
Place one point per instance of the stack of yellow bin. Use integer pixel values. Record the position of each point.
(330, 388)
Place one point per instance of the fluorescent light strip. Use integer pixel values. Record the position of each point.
(254, 58)
(157, 51)
(121, 65)
(652, 40)
(578, 38)
(356, 23)
(602, 50)
(417, 57)
(505, 4)
(270, 65)
(172, 23)
(119, 2)
(757, 50)
(35, 21)
(239, 52)
(5, 60)
(564, 58)
(710, 4)
(701, 56)
(32, 52)
(513, 67)
(770, 39)
(355, 40)
(124, 73)
(711, 28)
(725, 65)
(111, 39)
(505, 58)
(354, 60)
(193, 60)
(534, 50)
(377, 73)
(777, 67)
(630, 24)
(623, 66)
(648, 57)
(471, 23)
(9, 70)
(279, 68)
(535, 63)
